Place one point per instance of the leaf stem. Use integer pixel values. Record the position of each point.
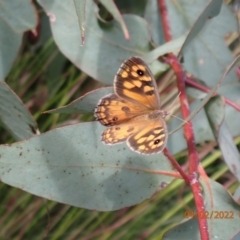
(176, 165)
(192, 178)
(191, 82)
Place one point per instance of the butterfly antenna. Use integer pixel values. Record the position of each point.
(171, 107)
(180, 119)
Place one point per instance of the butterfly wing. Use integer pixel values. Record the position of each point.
(112, 110)
(135, 82)
(151, 139)
(120, 133)
(142, 134)
(131, 111)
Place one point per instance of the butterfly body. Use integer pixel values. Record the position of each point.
(157, 114)
(133, 112)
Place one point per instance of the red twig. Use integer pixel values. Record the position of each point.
(193, 83)
(176, 165)
(189, 136)
(188, 128)
(164, 20)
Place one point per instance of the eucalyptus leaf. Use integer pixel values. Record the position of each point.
(237, 195)
(155, 23)
(207, 56)
(14, 116)
(19, 15)
(222, 214)
(84, 104)
(172, 46)
(215, 110)
(72, 166)
(80, 10)
(15, 18)
(112, 8)
(102, 41)
(201, 104)
(211, 10)
(10, 42)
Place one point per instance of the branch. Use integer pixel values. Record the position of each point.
(188, 128)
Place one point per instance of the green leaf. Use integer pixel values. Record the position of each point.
(19, 15)
(84, 104)
(207, 56)
(237, 194)
(222, 214)
(215, 110)
(10, 42)
(236, 237)
(201, 128)
(15, 18)
(172, 46)
(155, 23)
(112, 8)
(80, 10)
(100, 43)
(71, 165)
(211, 10)
(14, 115)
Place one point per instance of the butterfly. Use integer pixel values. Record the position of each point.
(133, 113)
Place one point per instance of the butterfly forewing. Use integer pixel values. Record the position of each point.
(111, 110)
(133, 111)
(134, 82)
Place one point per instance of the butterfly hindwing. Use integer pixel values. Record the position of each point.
(133, 112)
(120, 133)
(142, 134)
(151, 139)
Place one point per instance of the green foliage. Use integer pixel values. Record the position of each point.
(70, 164)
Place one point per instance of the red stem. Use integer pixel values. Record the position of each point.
(189, 136)
(191, 82)
(188, 128)
(165, 21)
(176, 165)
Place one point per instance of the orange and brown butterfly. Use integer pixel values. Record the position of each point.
(133, 113)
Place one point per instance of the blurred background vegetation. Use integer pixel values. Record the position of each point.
(45, 79)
